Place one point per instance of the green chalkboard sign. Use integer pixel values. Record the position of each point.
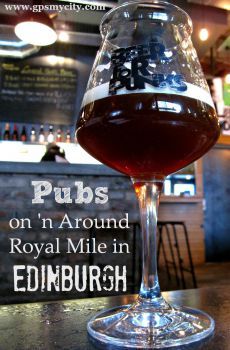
(37, 94)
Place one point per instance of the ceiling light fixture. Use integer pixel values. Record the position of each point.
(63, 36)
(204, 34)
(36, 29)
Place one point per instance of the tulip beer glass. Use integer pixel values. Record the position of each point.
(147, 112)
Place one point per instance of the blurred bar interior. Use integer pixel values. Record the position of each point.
(41, 92)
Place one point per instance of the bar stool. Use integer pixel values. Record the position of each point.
(168, 243)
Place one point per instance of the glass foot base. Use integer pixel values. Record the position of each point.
(135, 326)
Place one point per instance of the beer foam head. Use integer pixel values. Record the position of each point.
(193, 91)
(97, 93)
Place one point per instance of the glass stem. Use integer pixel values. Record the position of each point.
(148, 193)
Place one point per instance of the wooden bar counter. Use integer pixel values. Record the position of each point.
(62, 325)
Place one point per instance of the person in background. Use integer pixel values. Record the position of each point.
(54, 154)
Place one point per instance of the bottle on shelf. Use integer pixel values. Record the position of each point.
(50, 137)
(41, 137)
(59, 136)
(32, 135)
(226, 129)
(15, 133)
(68, 137)
(23, 134)
(6, 135)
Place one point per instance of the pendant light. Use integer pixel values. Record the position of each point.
(203, 33)
(36, 28)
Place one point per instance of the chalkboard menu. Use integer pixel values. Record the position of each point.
(37, 94)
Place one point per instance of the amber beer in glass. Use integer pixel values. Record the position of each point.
(147, 112)
(147, 134)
